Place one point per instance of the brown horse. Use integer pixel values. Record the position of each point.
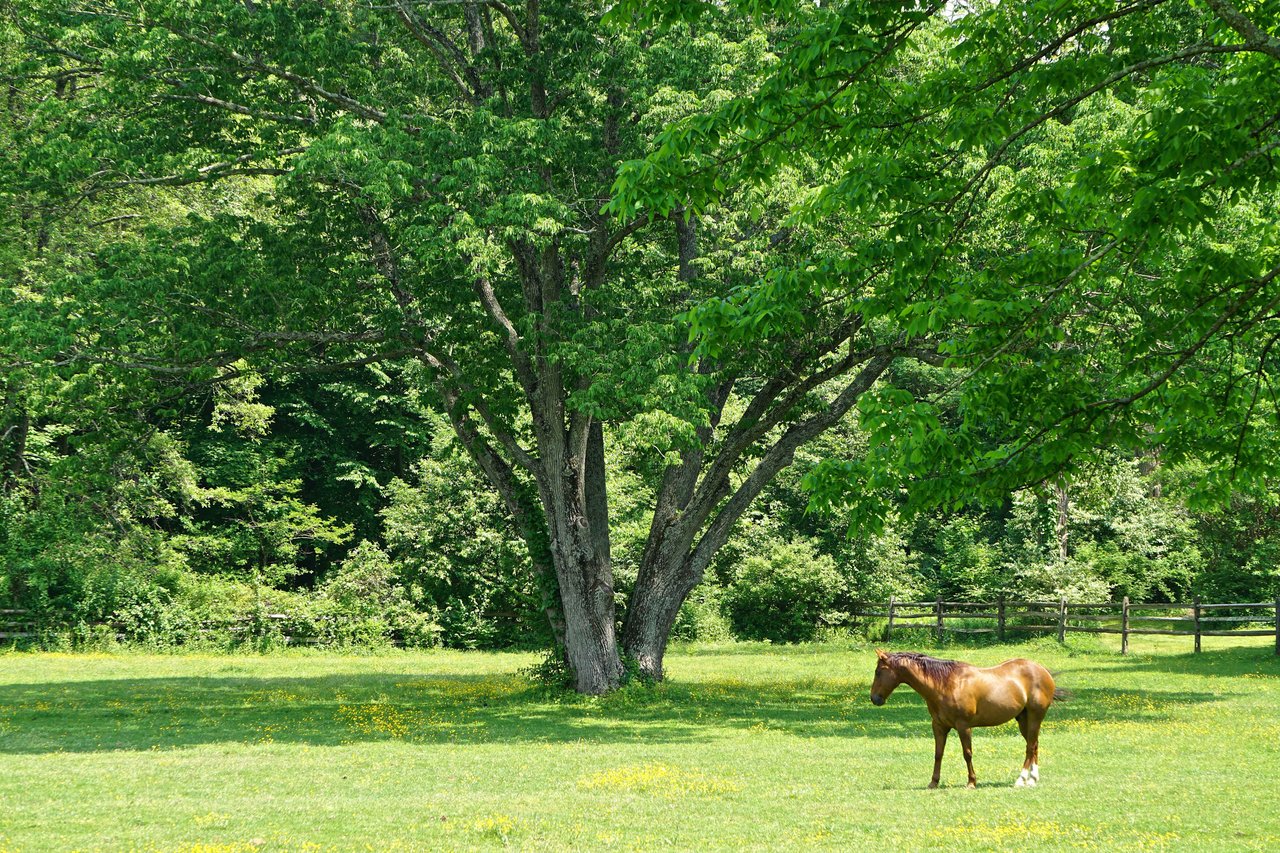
(963, 697)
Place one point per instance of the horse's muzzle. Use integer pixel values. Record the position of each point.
(877, 699)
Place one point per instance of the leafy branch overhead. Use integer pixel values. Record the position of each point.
(1077, 203)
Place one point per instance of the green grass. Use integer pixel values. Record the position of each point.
(744, 747)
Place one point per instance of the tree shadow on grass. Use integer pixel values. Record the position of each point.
(167, 713)
(1226, 661)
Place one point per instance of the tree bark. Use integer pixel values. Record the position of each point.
(655, 603)
(1061, 526)
(577, 515)
(591, 643)
(696, 510)
(19, 464)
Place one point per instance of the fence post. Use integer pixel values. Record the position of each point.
(1196, 612)
(939, 620)
(888, 631)
(1124, 626)
(1062, 620)
(1000, 618)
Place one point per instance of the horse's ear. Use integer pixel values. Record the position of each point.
(880, 654)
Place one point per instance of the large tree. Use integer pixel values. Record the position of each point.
(426, 182)
(1074, 203)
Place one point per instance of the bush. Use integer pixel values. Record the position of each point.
(363, 603)
(453, 545)
(968, 563)
(879, 565)
(701, 617)
(782, 594)
(1070, 579)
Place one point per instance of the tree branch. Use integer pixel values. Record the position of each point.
(213, 171)
(523, 367)
(1254, 36)
(778, 457)
(299, 81)
(232, 107)
(439, 44)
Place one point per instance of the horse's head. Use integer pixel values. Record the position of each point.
(886, 680)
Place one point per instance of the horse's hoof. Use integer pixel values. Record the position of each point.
(932, 785)
(972, 785)
(1020, 783)
(1031, 783)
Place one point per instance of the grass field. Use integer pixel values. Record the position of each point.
(743, 747)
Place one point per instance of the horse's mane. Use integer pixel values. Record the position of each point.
(940, 672)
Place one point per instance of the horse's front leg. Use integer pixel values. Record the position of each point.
(940, 733)
(966, 743)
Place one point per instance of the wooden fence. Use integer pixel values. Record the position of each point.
(16, 625)
(957, 617)
(1122, 617)
(23, 625)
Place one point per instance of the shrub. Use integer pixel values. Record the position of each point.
(968, 563)
(701, 617)
(363, 603)
(1070, 579)
(878, 565)
(781, 594)
(453, 544)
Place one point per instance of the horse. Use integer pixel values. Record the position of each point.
(963, 697)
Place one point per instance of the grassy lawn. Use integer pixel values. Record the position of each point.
(744, 747)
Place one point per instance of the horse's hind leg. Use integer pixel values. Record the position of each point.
(1029, 724)
(1030, 758)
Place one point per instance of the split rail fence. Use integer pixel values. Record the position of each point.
(1123, 617)
(24, 625)
(1002, 616)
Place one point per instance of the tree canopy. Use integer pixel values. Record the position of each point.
(997, 234)
(1076, 203)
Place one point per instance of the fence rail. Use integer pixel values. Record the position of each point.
(23, 625)
(1064, 617)
(1061, 616)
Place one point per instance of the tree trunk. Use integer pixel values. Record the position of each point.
(1063, 520)
(666, 578)
(651, 613)
(591, 643)
(21, 430)
(656, 598)
(578, 521)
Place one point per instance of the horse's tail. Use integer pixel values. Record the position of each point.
(1060, 695)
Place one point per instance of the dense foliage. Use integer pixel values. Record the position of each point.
(584, 325)
(1075, 203)
(436, 560)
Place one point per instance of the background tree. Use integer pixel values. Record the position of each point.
(426, 182)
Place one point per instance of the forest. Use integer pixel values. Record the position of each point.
(589, 326)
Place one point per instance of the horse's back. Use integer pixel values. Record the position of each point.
(1023, 664)
(1037, 680)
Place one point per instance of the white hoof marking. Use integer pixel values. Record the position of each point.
(1035, 773)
